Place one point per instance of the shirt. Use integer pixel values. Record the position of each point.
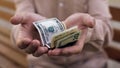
(98, 37)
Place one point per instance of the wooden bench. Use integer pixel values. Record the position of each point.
(16, 59)
(113, 50)
(9, 54)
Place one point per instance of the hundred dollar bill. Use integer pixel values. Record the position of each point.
(47, 29)
(67, 33)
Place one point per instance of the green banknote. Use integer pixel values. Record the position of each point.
(54, 34)
(69, 35)
(68, 39)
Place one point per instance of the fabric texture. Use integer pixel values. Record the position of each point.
(93, 55)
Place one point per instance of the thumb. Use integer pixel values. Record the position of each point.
(88, 21)
(16, 19)
(80, 19)
(25, 18)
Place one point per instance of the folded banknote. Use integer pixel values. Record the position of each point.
(54, 34)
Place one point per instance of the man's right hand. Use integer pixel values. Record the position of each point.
(25, 34)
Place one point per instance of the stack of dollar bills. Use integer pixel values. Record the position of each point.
(54, 34)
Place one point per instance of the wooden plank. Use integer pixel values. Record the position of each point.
(115, 13)
(13, 55)
(116, 35)
(113, 53)
(5, 39)
(7, 4)
(5, 15)
(8, 48)
(6, 63)
(4, 31)
(7, 42)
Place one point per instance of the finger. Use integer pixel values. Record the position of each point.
(54, 52)
(32, 17)
(71, 21)
(32, 46)
(75, 49)
(82, 37)
(24, 18)
(88, 21)
(16, 19)
(22, 44)
(67, 51)
(40, 51)
(80, 19)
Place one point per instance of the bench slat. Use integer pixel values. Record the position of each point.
(5, 15)
(7, 4)
(115, 13)
(113, 52)
(116, 35)
(13, 55)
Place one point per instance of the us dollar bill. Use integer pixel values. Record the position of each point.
(62, 35)
(47, 29)
(68, 39)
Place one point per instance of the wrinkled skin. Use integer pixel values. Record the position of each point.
(27, 38)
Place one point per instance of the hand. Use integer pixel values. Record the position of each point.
(83, 21)
(25, 35)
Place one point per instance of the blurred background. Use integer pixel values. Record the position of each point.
(12, 57)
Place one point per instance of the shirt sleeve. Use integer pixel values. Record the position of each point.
(24, 6)
(101, 34)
